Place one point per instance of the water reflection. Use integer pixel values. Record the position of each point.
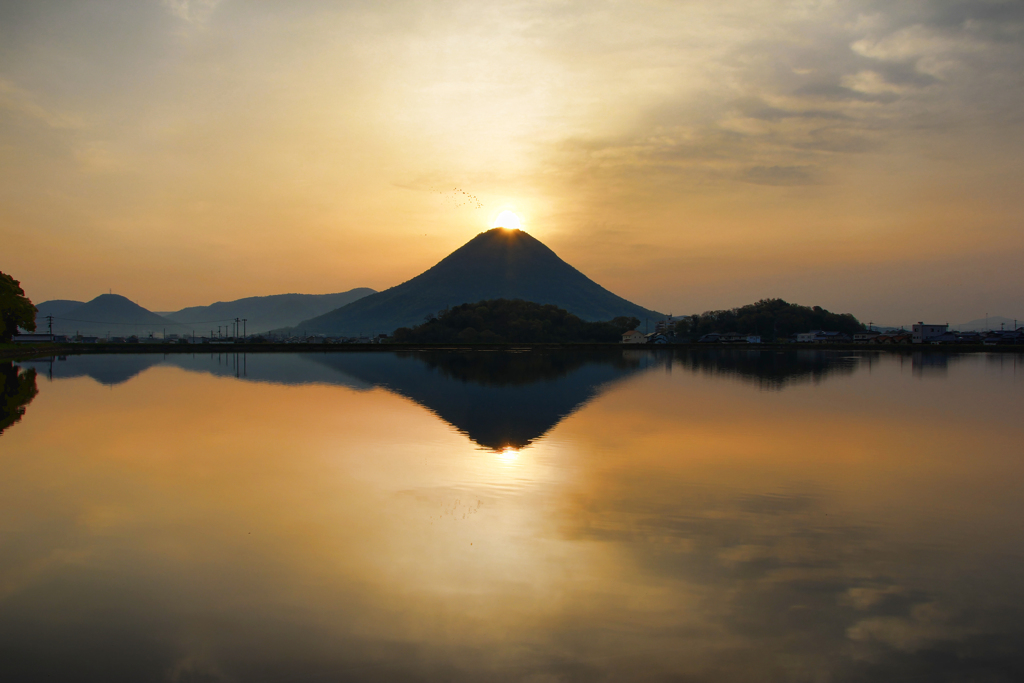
(498, 399)
(675, 526)
(773, 369)
(17, 389)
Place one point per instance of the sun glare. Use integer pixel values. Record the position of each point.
(508, 219)
(508, 454)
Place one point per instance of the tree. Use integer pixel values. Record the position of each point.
(495, 321)
(17, 389)
(15, 309)
(771, 318)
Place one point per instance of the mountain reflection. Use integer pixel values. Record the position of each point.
(17, 389)
(499, 399)
(688, 526)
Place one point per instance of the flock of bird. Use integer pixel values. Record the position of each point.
(458, 198)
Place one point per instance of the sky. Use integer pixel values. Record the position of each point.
(860, 155)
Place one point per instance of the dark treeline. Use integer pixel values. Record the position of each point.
(512, 320)
(518, 369)
(17, 389)
(771, 318)
(16, 310)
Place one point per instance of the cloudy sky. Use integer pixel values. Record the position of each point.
(859, 155)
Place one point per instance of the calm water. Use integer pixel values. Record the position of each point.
(491, 516)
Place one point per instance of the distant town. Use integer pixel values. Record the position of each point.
(665, 332)
(919, 333)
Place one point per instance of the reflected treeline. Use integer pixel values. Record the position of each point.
(517, 368)
(500, 399)
(17, 389)
(769, 368)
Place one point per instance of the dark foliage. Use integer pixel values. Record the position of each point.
(17, 389)
(496, 321)
(517, 369)
(15, 309)
(771, 318)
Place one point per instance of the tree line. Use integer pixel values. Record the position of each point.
(495, 321)
(772, 319)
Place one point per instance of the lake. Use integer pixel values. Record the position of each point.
(685, 516)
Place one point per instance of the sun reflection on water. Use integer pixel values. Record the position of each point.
(508, 454)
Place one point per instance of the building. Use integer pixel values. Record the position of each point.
(665, 326)
(924, 333)
(823, 337)
(634, 337)
(865, 337)
(32, 338)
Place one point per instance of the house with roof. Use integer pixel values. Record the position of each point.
(634, 337)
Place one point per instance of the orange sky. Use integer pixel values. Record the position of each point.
(863, 156)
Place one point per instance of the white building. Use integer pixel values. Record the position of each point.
(634, 337)
(922, 333)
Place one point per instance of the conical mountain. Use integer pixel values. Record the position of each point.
(115, 314)
(499, 263)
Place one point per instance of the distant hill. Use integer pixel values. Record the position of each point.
(772, 319)
(264, 313)
(54, 307)
(497, 264)
(111, 313)
(992, 322)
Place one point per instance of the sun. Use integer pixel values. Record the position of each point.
(508, 219)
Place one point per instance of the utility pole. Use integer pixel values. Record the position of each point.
(243, 327)
(236, 326)
(49, 320)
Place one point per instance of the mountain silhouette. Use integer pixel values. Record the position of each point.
(497, 264)
(111, 313)
(498, 400)
(264, 313)
(54, 307)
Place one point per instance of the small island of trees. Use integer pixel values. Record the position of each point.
(496, 321)
(772, 319)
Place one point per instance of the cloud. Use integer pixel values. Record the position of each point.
(19, 101)
(780, 175)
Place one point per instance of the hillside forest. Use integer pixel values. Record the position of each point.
(512, 320)
(773, 319)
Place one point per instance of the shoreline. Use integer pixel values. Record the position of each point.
(18, 352)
